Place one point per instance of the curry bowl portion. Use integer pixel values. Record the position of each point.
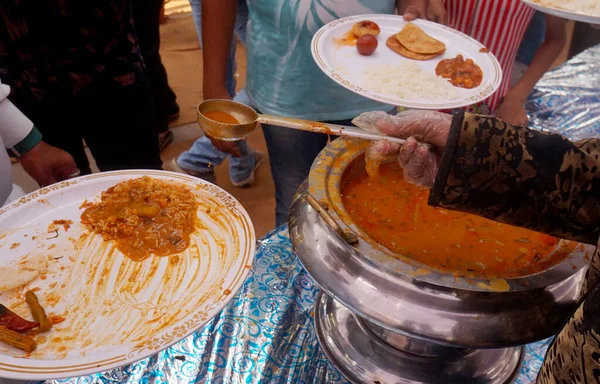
(394, 214)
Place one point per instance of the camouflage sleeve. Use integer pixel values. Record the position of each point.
(573, 356)
(522, 177)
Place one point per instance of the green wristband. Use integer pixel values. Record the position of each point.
(25, 145)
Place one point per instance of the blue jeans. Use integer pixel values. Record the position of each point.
(202, 157)
(240, 32)
(291, 154)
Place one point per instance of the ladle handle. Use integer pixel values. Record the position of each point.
(328, 129)
(348, 236)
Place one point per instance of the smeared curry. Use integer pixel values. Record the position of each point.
(144, 216)
(396, 215)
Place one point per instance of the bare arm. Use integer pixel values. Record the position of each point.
(218, 20)
(512, 109)
(556, 36)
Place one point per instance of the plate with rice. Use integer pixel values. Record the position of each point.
(124, 263)
(392, 78)
(586, 11)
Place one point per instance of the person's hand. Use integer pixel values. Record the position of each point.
(436, 12)
(48, 165)
(223, 146)
(415, 9)
(513, 112)
(420, 160)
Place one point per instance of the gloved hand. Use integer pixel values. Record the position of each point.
(420, 160)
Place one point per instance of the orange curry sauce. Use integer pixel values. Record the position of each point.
(460, 72)
(395, 214)
(348, 39)
(221, 117)
(145, 216)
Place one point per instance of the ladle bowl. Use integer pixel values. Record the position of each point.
(247, 117)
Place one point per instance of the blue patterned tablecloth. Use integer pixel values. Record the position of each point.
(266, 334)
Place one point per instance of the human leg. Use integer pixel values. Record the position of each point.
(291, 154)
(146, 19)
(120, 129)
(202, 157)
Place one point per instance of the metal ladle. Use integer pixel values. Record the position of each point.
(248, 119)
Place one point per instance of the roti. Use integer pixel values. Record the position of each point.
(416, 40)
(393, 43)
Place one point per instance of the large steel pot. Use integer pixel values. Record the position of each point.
(390, 298)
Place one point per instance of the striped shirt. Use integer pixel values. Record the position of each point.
(499, 25)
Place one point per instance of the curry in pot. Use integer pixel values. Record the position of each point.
(395, 214)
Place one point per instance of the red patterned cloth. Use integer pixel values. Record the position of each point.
(499, 25)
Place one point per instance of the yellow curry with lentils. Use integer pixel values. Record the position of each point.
(395, 214)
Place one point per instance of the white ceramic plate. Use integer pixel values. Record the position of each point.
(117, 311)
(345, 65)
(564, 9)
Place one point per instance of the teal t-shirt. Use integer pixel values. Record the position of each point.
(282, 77)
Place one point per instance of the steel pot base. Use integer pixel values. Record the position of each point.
(364, 357)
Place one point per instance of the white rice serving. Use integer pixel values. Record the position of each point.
(407, 81)
(587, 7)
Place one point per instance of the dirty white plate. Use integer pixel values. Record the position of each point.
(567, 9)
(117, 310)
(345, 65)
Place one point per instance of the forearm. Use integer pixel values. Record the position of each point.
(521, 177)
(218, 20)
(545, 56)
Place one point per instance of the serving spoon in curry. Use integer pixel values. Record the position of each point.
(247, 120)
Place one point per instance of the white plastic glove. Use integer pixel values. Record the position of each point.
(420, 160)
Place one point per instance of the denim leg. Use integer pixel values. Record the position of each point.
(241, 21)
(202, 156)
(291, 154)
